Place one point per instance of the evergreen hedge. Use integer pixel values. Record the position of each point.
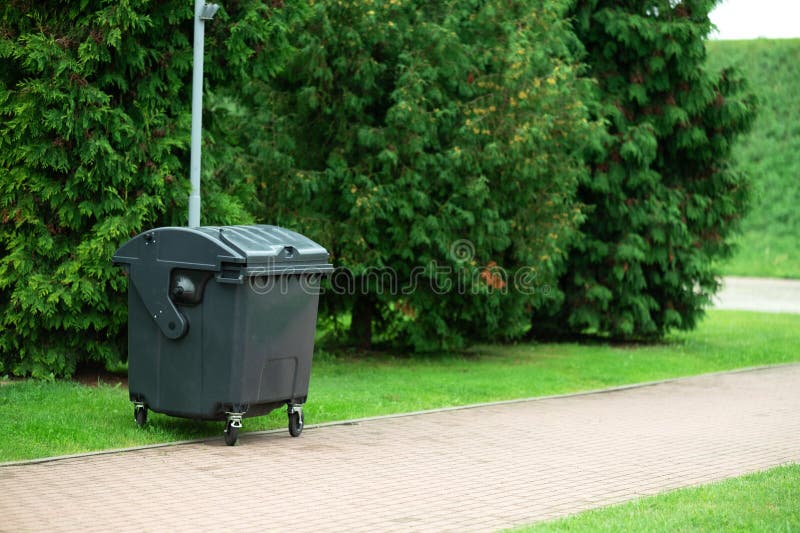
(466, 148)
(95, 106)
(662, 196)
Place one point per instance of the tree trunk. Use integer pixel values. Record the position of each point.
(361, 324)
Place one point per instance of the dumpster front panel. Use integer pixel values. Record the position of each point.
(279, 332)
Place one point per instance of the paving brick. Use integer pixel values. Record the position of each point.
(443, 471)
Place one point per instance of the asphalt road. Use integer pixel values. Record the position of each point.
(759, 294)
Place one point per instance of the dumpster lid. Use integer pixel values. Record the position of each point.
(212, 247)
(268, 244)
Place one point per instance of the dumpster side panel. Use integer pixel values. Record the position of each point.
(163, 373)
(180, 366)
(143, 352)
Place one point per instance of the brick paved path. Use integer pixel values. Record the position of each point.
(478, 469)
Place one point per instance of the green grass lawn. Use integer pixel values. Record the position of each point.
(765, 501)
(770, 154)
(39, 419)
(764, 254)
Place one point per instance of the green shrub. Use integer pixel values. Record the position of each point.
(438, 142)
(664, 198)
(94, 100)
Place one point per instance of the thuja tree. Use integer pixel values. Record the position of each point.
(432, 145)
(94, 130)
(663, 198)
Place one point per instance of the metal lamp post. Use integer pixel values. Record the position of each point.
(202, 13)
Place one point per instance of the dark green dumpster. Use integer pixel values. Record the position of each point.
(221, 321)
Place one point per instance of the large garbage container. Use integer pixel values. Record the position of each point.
(221, 321)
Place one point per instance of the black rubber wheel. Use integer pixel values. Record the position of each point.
(295, 424)
(140, 415)
(231, 434)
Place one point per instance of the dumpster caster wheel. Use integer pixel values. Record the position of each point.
(231, 434)
(140, 415)
(296, 420)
